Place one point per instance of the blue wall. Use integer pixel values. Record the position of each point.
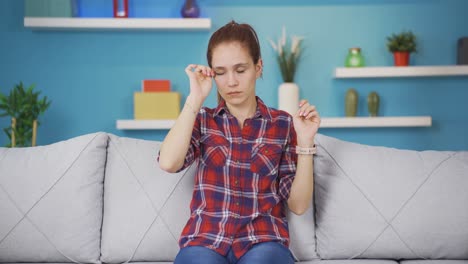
(91, 76)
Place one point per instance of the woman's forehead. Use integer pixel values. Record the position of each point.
(230, 54)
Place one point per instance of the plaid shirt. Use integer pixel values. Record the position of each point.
(243, 179)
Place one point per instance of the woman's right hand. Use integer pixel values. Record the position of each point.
(201, 80)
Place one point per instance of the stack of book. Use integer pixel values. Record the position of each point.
(51, 8)
(156, 101)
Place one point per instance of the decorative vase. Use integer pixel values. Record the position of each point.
(288, 97)
(373, 102)
(190, 9)
(401, 58)
(121, 8)
(351, 102)
(354, 58)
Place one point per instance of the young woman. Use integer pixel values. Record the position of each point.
(253, 160)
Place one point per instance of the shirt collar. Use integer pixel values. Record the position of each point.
(262, 109)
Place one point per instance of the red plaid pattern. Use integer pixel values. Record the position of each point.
(243, 179)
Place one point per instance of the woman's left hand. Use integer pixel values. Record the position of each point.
(306, 123)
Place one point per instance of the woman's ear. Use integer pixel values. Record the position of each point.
(259, 68)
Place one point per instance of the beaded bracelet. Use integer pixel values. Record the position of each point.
(306, 151)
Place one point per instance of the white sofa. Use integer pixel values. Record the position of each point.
(102, 198)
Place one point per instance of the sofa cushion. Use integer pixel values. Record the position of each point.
(51, 201)
(145, 208)
(350, 261)
(302, 235)
(378, 202)
(434, 261)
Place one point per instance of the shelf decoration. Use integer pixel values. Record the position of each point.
(156, 101)
(288, 55)
(351, 102)
(354, 58)
(401, 45)
(190, 9)
(120, 8)
(373, 103)
(51, 8)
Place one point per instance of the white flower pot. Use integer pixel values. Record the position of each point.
(288, 97)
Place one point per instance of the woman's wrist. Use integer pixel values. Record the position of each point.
(194, 103)
(309, 143)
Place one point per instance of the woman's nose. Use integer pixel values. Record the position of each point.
(232, 80)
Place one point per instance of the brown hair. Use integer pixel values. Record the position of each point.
(235, 32)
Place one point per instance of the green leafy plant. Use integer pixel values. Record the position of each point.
(288, 54)
(404, 41)
(25, 107)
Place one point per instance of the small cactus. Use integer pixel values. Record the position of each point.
(373, 102)
(351, 102)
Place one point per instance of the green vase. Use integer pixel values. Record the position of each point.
(351, 102)
(373, 102)
(354, 58)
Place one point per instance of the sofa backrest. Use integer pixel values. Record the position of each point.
(145, 208)
(51, 201)
(378, 202)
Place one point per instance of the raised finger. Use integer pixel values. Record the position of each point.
(302, 102)
(304, 109)
(190, 68)
(311, 114)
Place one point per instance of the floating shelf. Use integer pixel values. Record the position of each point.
(133, 124)
(327, 122)
(54, 23)
(408, 71)
(381, 121)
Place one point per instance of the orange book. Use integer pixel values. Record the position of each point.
(156, 86)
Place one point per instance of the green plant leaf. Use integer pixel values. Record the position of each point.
(25, 105)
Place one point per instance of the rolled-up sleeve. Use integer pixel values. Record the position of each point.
(287, 169)
(193, 151)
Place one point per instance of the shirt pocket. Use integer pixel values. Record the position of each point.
(215, 150)
(266, 158)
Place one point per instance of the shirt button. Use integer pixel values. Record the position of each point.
(237, 203)
(236, 182)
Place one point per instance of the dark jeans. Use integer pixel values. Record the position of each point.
(262, 253)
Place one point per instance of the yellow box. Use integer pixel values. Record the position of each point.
(157, 105)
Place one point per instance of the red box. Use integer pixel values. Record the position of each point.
(156, 86)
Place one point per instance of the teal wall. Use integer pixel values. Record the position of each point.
(91, 76)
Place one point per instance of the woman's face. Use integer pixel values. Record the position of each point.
(235, 73)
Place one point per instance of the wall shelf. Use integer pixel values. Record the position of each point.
(62, 23)
(381, 121)
(408, 71)
(132, 124)
(327, 122)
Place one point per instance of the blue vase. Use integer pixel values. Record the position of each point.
(190, 9)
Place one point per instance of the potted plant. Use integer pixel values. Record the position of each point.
(288, 54)
(401, 45)
(24, 107)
